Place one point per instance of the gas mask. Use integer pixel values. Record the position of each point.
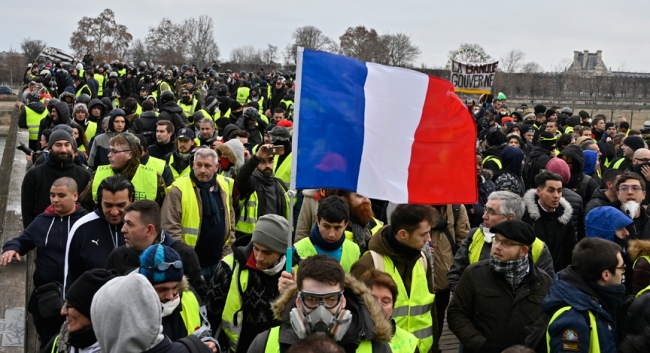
(320, 320)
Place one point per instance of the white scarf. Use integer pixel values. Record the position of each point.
(279, 266)
(170, 306)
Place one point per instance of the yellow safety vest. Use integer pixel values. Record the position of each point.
(145, 182)
(100, 88)
(174, 172)
(283, 171)
(478, 240)
(242, 94)
(91, 130)
(260, 103)
(188, 109)
(248, 217)
(403, 341)
(138, 110)
(156, 164)
(287, 103)
(206, 114)
(81, 91)
(121, 72)
(493, 159)
(349, 255)
(378, 224)
(412, 310)
(568, 130)
(233, 315)
(273, 343)
(191, 218)
(34, 121)
(618, 163)
(190, 312)
(594, 345)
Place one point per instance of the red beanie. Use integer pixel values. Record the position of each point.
(559, 166)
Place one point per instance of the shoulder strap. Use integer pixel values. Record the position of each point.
(193, 344)
(377, 260)
(456, 210)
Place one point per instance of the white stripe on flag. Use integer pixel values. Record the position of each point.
(57, 55)
(394, 102)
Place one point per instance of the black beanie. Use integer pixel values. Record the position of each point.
(515, 230)
(547, 140)
(81, 292)
(235, 105)
(495, 138)
(634, 142)
(539, 109)
(549, 113)
(59, 135)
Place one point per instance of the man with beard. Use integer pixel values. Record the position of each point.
(35, 197)
(496, 300)
(252, 122)
(207, 133)
(180, 159)
(327, 237)
(260, 191)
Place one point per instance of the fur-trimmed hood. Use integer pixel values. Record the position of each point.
(530, 199)
(233, 149)
(376, 326)
(637, 248)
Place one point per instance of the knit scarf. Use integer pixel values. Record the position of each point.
(318, 240)
(82, 338)
(268, 185)
(513, 270)
(210, 208)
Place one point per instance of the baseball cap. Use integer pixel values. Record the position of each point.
(186, 133)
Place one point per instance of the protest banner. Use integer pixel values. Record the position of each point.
(473, 78)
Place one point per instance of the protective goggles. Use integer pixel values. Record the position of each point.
(313, 300)
(164, 266)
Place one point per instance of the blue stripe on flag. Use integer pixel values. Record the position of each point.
(330, 129)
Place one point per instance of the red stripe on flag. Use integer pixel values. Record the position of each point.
(443, 157)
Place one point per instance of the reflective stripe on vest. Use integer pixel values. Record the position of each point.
(403, 341)
(91, 130)
(145, 182)
(156, 164)
(349, 255)
(594, 345)
(233, 315)
(287, 103)
(242, 94)
(174, 172)
(478, 240)
(568, 130)
(607, 162)
(33, 120)
(412, 310)
(248, 217)
(191, 218)
(283, 171)
(493, 159)
(81, 91)
(273, 343)
(56, 339)
(206, 114)
(188, 109)
(190, 312)
(618, 163)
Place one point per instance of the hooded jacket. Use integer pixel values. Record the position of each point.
(485, 309)
(537, 161)
(569, 289)
(48, 233)
(553, 228)
(48, 122)
(96, 103)
(172, 112)
(145, 125)
(636, 250)
(229, 129)
(509, 177)
(90, 241)
(494, 151)
(233, 150)
(584, 188)
(98, 155)
(35, 189)
(368, 321)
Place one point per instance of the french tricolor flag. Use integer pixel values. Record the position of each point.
(384, 132)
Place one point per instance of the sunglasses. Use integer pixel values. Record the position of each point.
(164, 266)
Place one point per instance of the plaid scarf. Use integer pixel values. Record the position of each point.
(514, 271)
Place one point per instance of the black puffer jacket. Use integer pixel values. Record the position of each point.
(598, 198)
(578, 216)
(580, 183)
(145, 125)
(172, 112)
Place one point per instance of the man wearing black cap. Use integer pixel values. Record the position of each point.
(180, 159)
(496, 142)
(629, 146)
(78, 331)
(539, 158)
(496, 300)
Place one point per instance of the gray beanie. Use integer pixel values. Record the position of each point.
(59, 135)
(271, 232)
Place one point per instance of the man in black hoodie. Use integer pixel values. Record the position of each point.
(30, 118)
(496, 142)
(169, 110)
(34, 196)
(59, 113)
(539, 158)
(48, 233)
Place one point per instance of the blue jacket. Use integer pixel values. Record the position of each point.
(48, 233)
(572, 327)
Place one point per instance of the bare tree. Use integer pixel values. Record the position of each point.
(139, 51)
(167, 42)
(512, 61)
(363, 44)
(531, 68)
(102, 36)
(12, 67)
(201, 44)
(399, 49)
(270, 54)
(308, 37)
(563, 65)
(31, 48)
(470, 53)
(246, 54)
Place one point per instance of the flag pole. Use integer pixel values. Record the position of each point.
(289, 255)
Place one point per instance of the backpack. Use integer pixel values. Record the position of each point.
(193, 344)
(455, 209)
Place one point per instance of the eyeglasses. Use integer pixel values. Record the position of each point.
(164, 266)
(313, 300)
(504, 243)
(626, 188)
(642, 160)
(621, 267)
(117, 151)
(492, 212)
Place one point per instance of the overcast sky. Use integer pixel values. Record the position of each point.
(547, 32)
